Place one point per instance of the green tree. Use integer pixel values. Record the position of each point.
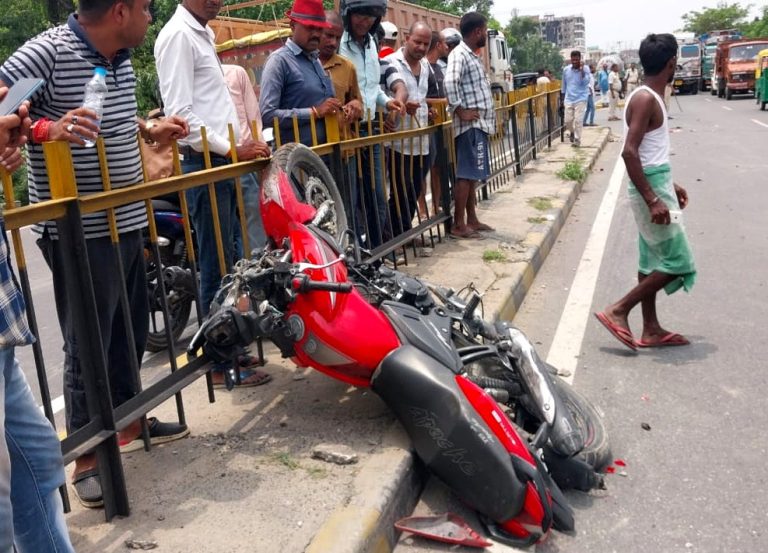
(457, 7)
(724, 16)
(528, 51)
(759, 27)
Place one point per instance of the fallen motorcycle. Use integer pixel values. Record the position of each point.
(299, 294)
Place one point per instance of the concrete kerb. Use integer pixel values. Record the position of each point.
(389, 484)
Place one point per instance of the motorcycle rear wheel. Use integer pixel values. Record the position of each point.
(313, 183)
(179, 313)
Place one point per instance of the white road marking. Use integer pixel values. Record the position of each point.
(727, 108)
(707, 100)
(566, 345)
(57, 405)
(760, 123)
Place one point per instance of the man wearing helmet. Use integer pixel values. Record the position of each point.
(357, 45)
(388, 40)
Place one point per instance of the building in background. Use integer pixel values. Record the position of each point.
(567, 33)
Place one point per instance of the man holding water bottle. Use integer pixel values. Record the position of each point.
(99, 36)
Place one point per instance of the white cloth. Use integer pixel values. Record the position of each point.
(542, 80)
(417, 92)
(654, 149)
(192, 82)
(574, 119)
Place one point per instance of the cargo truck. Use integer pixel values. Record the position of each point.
(735, 65)
(709, 42)
(688, 73)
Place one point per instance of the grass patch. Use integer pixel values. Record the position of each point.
(573, 170)
(285, 459)
(494, 256)
(316, 472)
(536, 220)
(540, 204)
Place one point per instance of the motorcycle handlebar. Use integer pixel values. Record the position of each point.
(304, 284)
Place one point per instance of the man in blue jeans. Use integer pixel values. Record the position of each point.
(31, 465)
(192, 85)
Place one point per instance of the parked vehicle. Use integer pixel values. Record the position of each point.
(709, 42)
(735, 66)
(174, 272)
(327, 312)
(688, 73)
(761, 79)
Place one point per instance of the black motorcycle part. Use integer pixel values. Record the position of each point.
(449, 436)
(571, 473)
(431, 333)
(563, 518)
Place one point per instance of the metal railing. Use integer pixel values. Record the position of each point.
(527, 121)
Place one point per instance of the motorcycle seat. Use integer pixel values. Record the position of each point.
(161, 204)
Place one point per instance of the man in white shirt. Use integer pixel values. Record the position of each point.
(614, 88)
(192, 85)
(633, 78)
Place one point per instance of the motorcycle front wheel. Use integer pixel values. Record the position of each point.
(179, 310)
(313, 184)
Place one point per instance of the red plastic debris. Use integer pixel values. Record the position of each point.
(620, 463)
(645, 397)
(447, 528)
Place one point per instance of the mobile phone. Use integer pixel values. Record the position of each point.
(20, 90)
(675, 216)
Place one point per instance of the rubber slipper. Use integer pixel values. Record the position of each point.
(469, 235)
(248, 361)
(247, 379)
(668, 340)
(87, 486)
(482, 227)
(623, 335)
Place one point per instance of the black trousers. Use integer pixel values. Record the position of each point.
(106, 287)
(405, 187)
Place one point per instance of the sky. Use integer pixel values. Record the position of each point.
(612, 24)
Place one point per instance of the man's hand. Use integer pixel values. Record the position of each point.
(682, 196)
(252, 149)
(74, 126)
(467, 114)
(328, 107)
(397, 106)
(14, 128)
(11, 159)
(353, 110)
(411, 107)
(659, 212)
(168, 129)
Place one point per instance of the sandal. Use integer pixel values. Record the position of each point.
(468, 234)
(482, 227)
(248, 378)
(87, 486)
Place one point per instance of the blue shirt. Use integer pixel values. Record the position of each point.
(292, 82)
(368, 69)
(14, 330)
(575, 84)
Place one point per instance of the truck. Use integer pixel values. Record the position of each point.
(688, 73)
(735, 64)
(709, 42)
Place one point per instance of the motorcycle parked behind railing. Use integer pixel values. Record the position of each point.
(298, 295)
(174, 271)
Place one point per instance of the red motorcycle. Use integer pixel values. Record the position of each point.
(298, 294)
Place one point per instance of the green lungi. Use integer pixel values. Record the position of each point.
(663, 248)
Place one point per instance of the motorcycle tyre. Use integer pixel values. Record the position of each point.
(293, 156)
(158, 341)
(597, 448)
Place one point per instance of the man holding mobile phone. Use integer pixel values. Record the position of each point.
(100, 34)
(31, 513)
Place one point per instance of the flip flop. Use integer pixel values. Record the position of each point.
(469, 235)
(668, 340)
(623, 335)
(87, 486)
(482, 227)
(245, 374)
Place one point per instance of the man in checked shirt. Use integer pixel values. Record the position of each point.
(471, 103)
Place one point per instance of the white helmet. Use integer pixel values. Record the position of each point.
(390, 30)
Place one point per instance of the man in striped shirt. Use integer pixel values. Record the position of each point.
(99, 35)
(471, 103)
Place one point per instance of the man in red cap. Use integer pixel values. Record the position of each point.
(294, 83)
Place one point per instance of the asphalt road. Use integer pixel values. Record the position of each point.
(696, 480)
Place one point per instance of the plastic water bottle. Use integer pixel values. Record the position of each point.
(95, 92)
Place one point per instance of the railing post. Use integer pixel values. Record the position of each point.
(516, 141)
(336, 166)
(532, 126)
(443, 162)
(549, 120)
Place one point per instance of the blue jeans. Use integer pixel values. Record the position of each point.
(202, 219)
(376, 210)
(257, 238)
(589, 114)
(31, 469)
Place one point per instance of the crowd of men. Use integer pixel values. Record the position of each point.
(330, 66)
